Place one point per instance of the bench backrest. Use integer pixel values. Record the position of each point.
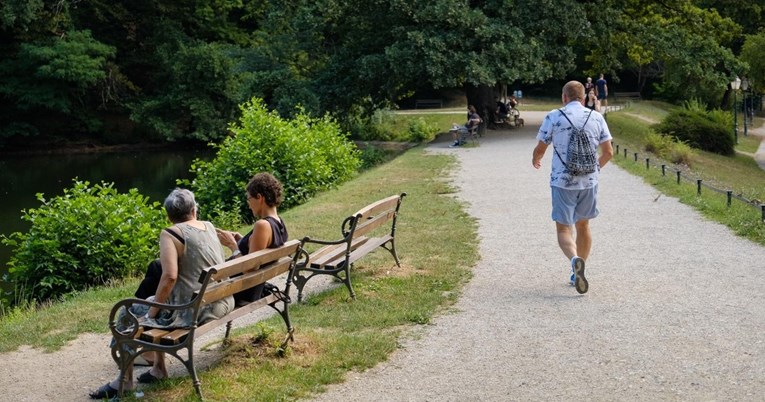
(375, 215)
(256, 268)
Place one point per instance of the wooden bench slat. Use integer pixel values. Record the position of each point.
(367, 226)
(174, 337)
(250, 279)
(333, 252)
(153, 335)
(359, 252)
(379, 206)
(367, 248)
(253, 260)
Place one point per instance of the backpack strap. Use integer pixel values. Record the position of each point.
(572, 126)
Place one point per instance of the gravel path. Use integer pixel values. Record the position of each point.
(675, 310)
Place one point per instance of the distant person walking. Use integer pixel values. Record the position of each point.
(589, 86)
(574, 197)
(601, 89)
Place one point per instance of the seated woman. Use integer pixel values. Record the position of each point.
(264, 195)
(459, 133)
(185, 249)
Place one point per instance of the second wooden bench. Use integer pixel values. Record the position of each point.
(337, 257)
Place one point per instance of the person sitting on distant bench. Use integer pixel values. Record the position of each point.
(459, 133)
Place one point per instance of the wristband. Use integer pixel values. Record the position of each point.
(236, 253)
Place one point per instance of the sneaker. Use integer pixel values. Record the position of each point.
(572, 278)
(456, 144)
(580, 282)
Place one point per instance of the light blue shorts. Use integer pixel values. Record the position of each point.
(571, 206)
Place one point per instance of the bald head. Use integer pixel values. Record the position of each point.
(573, 90)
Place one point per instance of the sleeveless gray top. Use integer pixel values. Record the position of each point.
(202, 251)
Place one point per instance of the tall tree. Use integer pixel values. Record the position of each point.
(681, 46)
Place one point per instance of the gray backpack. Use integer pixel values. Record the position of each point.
(581, 158)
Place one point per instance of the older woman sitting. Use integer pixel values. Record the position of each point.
(185, 248)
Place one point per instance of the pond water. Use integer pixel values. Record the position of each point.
(153, 173)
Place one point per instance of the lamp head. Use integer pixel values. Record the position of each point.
(735, 84)
(745, 84)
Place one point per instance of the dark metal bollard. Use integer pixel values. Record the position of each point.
(678, 177)
(647, 163)
(730, 195)
(663, 170)
(617, 149)
(698, 186)
(762, 206)
(635, 156)
(625, 152)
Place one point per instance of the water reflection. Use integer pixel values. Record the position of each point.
(153, 173)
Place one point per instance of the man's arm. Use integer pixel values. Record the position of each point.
(539, 152)
(606, 153)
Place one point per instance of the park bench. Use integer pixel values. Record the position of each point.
(428, 103)
(337, 257)
(628, 96)
(218, 282)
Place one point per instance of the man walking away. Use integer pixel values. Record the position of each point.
(601, 89)
(574, 190)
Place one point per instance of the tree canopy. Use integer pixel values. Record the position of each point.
(178, 69)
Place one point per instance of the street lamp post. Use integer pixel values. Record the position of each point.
(734, 85)
(745, 87)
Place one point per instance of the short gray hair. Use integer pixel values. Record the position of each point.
(179, 205)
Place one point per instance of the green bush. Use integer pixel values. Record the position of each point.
(668, 148)
(87, 236)
(420, 130)
(698, 130)
(306, 154)
(680, 152)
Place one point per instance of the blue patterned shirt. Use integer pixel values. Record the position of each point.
(556, 129)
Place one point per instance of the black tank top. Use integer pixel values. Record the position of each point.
(278, 238)
(278, 235)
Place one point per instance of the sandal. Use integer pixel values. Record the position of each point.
(148, 378)
(104, 392)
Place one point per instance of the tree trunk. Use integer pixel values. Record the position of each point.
(482, 97)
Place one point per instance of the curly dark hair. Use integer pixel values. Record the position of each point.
(268, 186)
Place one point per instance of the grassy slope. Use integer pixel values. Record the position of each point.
(739, 174)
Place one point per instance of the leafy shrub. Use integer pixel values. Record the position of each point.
(680, 152)
(420, 130)
(698, 130)
(668, 148)
(84, 237)
(372, 156)
(379, 126)
(657, 143)
(306, 154)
